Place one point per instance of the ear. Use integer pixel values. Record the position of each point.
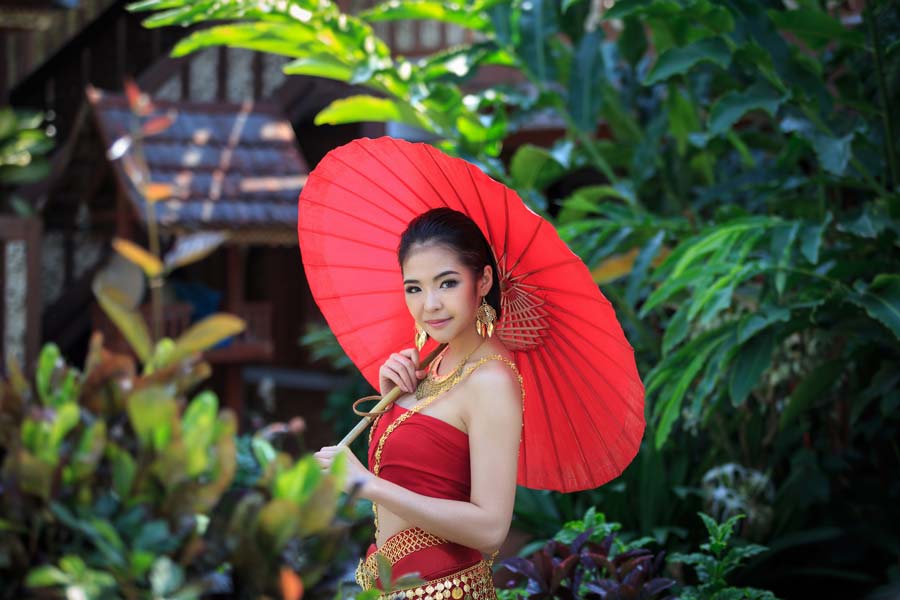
(486, 280)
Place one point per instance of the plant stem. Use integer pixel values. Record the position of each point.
(156, 301)
(886, 115)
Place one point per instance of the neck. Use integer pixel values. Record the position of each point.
(460, 347)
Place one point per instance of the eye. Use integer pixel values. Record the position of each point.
(449, 283)
(412, 289)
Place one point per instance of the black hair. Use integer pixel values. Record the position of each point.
(459, 233)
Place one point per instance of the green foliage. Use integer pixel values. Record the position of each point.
(741, 158)
(25, 145)
(717, 560)
(119, 484)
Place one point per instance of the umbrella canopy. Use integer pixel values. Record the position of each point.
(584, 400)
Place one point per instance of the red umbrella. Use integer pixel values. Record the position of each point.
(584, 400)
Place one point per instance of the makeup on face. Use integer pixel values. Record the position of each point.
(440, 291)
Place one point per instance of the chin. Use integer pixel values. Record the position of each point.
(444, 335)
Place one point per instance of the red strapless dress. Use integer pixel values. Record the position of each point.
(430, 457)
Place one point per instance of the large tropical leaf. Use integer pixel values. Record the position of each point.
(881, 300)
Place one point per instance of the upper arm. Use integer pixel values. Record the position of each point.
(494, 411)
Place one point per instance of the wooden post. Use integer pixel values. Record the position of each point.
(2, 305)
(33, 308)
(27, 230)
(234, 299)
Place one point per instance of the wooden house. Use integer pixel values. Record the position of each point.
(73, 67)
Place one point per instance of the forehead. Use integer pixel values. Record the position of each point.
(431, 258)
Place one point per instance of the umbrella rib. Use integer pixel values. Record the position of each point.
(560, 348)
(414, 192)
(487, 222)
(506, 229)
(537, 383)
(540, 223)
(552, 380)
(567, 261)
(621, 432)
(347, 238)
(599, 374)
(359, 267)
(368, 324)
(610, 334)
(430, 153)
(375, 183)
(363, 293)
(570, 294)
(356, 215)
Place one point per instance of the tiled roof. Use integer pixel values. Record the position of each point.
(234, 168)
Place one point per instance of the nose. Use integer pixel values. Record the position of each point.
(432, 301)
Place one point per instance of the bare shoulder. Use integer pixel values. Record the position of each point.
(494, 387)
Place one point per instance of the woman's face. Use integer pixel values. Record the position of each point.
(442, 293)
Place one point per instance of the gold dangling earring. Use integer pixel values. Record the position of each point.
(485, 317)
(421, 337)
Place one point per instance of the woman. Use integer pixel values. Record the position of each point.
(443, 458)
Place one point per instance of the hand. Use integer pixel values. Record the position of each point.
(357, 474)
(400, 369)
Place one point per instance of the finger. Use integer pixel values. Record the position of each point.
(400, 365)
(409, 367)
(412, 354)
(395, 374)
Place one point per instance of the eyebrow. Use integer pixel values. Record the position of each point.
(436, 277)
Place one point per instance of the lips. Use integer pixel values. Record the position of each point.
(437, 323)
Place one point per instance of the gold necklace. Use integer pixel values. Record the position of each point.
(434, 384)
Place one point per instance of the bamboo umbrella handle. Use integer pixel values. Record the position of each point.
(386, 401)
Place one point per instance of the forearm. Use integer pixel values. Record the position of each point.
(457, 521)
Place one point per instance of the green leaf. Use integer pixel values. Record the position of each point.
(782, 241)
(46, 576)
(538, 26)
(767, 315)
(283, 39)
(129, 321)
(297, 483)
(49, 361)
(682, 117)
(204, 335)
(881, 300)
(729, 109)
(320, 65)
(641, 266)
(463, 15)
(816, 27)
(279, 520)
(627, 8)
(620, 119)
(533, 167)
(677, 61)
(751, 361)
(152, 412)
(833, 152)
(88, 452)
(814, 387)
(586, 81)
(359, 109)
(123, 470)
(632, 42)
(198, 427)
(461, 62)
(811, 239)
(679, 376)
(677, 328)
